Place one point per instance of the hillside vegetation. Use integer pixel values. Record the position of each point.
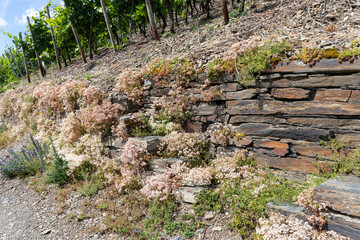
(89, 131)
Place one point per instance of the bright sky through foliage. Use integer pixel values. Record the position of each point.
(13, 17)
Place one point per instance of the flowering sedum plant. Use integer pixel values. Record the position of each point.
(315, 212)
(131, 83)
(192, 146)
(100, 118)
(161, 186)
(71, 128)
(134, 154)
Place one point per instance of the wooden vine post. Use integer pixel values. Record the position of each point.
(151, 19)
(42, 70)
(24, 55)
(12, 67)
(108, 24)
(53, 39)
(225, 11)
(17, 66)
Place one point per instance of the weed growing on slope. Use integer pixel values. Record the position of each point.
(58, 171)
(341, 161)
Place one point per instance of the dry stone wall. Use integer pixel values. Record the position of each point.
(286, 113)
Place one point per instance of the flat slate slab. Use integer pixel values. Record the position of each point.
(341, 195)
(151, 143)
(160, 165)
(342, 224)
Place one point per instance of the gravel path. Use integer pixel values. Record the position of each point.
(26, 215)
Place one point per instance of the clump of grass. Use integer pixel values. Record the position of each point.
(91, 186)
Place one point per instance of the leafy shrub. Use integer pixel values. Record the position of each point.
(220, 134)
(229, 168)
(83, 171)
(341, 161)
(93, 95)
(28, 161)
(58, 171)
(173, 109)
(152, 126)
(47, 98)
(310, 55)
(134, 154)
(161, 214)
(161, 186)
(69, 93)
(349, 54)
(198, 176)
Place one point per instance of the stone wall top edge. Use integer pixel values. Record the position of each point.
(323, 66)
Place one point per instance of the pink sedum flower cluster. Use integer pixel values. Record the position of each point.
(134, 154)
(183, 145)
(315, 212)
(161, 186)
(71, 128)
(100, 118)
(220, 134)
(93, 95)
(227, 167)
(130, 82)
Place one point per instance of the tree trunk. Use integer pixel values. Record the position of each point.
(176, 15)
(194, 4)
(207, 8)
(25, 63)
(68, 54)
(32, 65)
(63, 57)
(171, 15)
(225, 11)
(53, 38)
(90, 45)
(119, 26)
(108, 25)
(76, 35)
(163, 19)
(151, 19)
